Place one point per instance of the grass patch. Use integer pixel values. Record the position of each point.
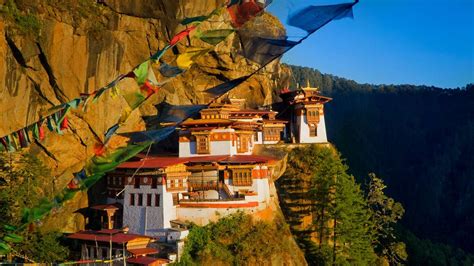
(25, 23)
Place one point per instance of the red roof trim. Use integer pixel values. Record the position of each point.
(160, 162)
(143, 251)
(117, 238)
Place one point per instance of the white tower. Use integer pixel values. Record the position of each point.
(307, 120)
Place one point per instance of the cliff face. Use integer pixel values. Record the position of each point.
(51, 51)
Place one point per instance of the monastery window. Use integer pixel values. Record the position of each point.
(242, 177)
(313, 130)
(140, 199)
(157, 200)
(256, 136)
(242, 144)
(148, 200)
(132, 199)
(154, 182)
(109, 180)
(202, 144)
(136, 183)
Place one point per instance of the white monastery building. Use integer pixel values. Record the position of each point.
(216, 172)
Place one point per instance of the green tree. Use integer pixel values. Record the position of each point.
(385, 213)
(24, 182)
(316, 185)
(237, 239)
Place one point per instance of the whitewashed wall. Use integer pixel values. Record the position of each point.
(304, 137)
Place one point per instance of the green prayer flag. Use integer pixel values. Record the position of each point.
(74, 103)
(198, 19)
(159, 54)
(141, 72)
(14, 140)
(11, 147)
(134, 99)
(214, 37)
(49, 122)
(57, 121)
(36, 131)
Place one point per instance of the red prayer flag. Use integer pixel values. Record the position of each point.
(241, 13)
(149, 88)
(41, 131)
(64, 123)
(4, 143)
(22, 139)
(73, 184)
(178, 37)
(99, 149)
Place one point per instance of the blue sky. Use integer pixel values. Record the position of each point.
(421, 42)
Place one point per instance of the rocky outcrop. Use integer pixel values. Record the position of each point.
(80, 46)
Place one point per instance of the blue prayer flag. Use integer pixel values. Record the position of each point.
(312, 18)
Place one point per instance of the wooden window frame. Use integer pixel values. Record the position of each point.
(200, 139)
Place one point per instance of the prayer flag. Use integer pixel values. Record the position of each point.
(312, 18)
(227, 86)
(214, 37)
(21, 137)
(64, 123)
(4, 143)
(99, 149)
(176, 113)
(200, 19)
(41, 131)
(170, 71)
(149, 88)
(27, 135)
(10, 143)
(159, 54)
(241, 11)
(36, 131)
(110, 132)
(49, 121)
(186, 59)
(141, 72)
(263, 50)
(151, 135)
(178, 37)
(15, 142)
(74, 103)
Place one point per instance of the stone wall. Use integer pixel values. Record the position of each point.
(77, 51)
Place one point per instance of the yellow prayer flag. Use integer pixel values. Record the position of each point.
(186, 59)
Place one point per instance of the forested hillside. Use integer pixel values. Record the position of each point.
(419, 139)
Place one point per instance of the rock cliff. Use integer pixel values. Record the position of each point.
(53, 50)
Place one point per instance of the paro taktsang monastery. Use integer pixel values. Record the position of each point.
(216, 172)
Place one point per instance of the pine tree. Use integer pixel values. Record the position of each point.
(23, 184)
(385, 212)
(352, 226)
(340, 232)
